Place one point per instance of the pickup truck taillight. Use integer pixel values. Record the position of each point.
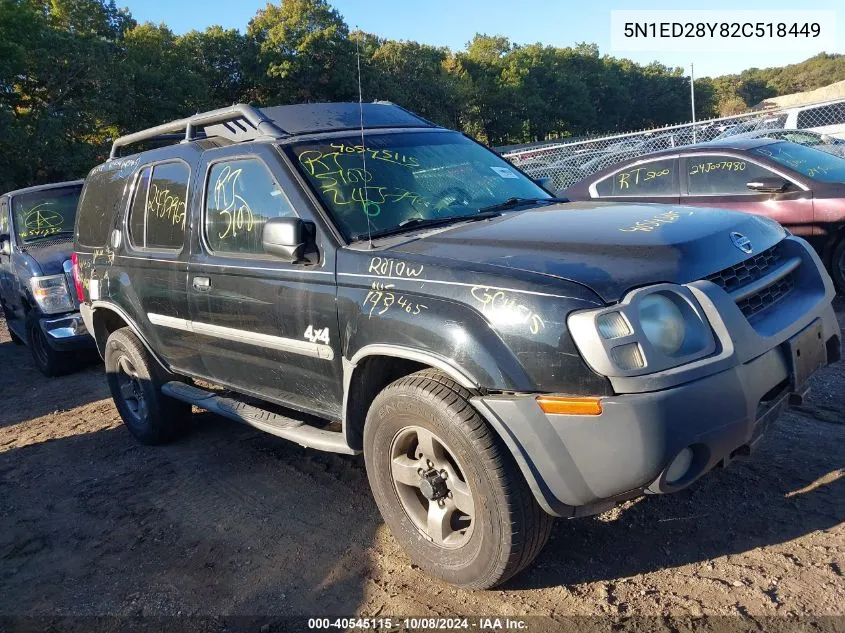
(77, 281)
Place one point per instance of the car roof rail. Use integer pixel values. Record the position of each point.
(248, 123)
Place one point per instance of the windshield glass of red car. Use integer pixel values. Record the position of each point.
(399, 177)
(808, 161)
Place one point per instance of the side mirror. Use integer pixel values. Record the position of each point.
(287, 238)
(5, 247)
(546, 182)
(769, 184)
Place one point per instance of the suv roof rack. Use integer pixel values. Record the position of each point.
(248, 123)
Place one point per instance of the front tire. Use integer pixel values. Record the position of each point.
(48, 361)
(135, 381)
(447, 488)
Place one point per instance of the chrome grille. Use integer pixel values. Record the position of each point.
(734, 278)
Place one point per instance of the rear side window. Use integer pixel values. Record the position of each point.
(657, 178)
(139, 203)
(159, 204)
(241, 195)
(709, 175)
(823, 115)
(103, 197)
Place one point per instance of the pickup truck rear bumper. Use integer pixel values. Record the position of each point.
(583, 464)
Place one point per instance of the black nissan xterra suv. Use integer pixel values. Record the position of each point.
(36, 288)
(500, 357)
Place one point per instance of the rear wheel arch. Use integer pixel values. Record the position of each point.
(105, 322)
(107, 318)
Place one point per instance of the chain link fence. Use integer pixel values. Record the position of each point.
(821, 125)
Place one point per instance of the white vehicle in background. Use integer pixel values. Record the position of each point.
(824, 118)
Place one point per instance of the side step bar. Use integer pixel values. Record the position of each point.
(273, 423)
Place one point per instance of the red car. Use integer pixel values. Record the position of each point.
(800, 187)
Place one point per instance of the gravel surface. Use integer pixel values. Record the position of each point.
(231, 521)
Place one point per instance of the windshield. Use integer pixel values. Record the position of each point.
(810, 162)
(756, 124)
(43, 214)
(406, 178)
(803, 138)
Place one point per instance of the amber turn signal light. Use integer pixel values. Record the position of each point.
(569, 406)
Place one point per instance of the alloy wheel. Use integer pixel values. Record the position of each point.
(131, 389)
(432, 487)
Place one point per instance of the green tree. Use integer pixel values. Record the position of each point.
(75, 73)
(414, 76)
(225, 61)
(59, 93)
(551, 97)
(157, 80)
(490, 111)
(304, 53)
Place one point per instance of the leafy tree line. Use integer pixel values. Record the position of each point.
(736, 93)
(76, 73)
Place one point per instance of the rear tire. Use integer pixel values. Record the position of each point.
(48, 361)
(471, 518)
(837, 266)
(135, 381)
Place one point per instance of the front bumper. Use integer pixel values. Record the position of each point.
(66, 332)
(580, 465)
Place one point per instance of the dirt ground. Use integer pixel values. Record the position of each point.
(231, 521)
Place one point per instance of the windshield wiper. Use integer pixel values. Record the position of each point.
(417, 223)
(511, 203)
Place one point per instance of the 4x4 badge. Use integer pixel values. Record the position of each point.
(741, 242)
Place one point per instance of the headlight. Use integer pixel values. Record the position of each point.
(651, 330)
(51, 293)
(662, 323)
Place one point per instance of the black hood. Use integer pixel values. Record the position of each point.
(50, 255)
(608, 247)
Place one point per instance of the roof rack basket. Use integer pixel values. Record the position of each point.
(263, 126)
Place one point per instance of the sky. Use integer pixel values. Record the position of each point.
(453, 23)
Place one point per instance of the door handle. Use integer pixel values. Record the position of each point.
(202, 283)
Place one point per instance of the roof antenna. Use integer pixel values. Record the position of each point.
(363, 144)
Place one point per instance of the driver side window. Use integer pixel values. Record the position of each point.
(713, 174)
(241, 195)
